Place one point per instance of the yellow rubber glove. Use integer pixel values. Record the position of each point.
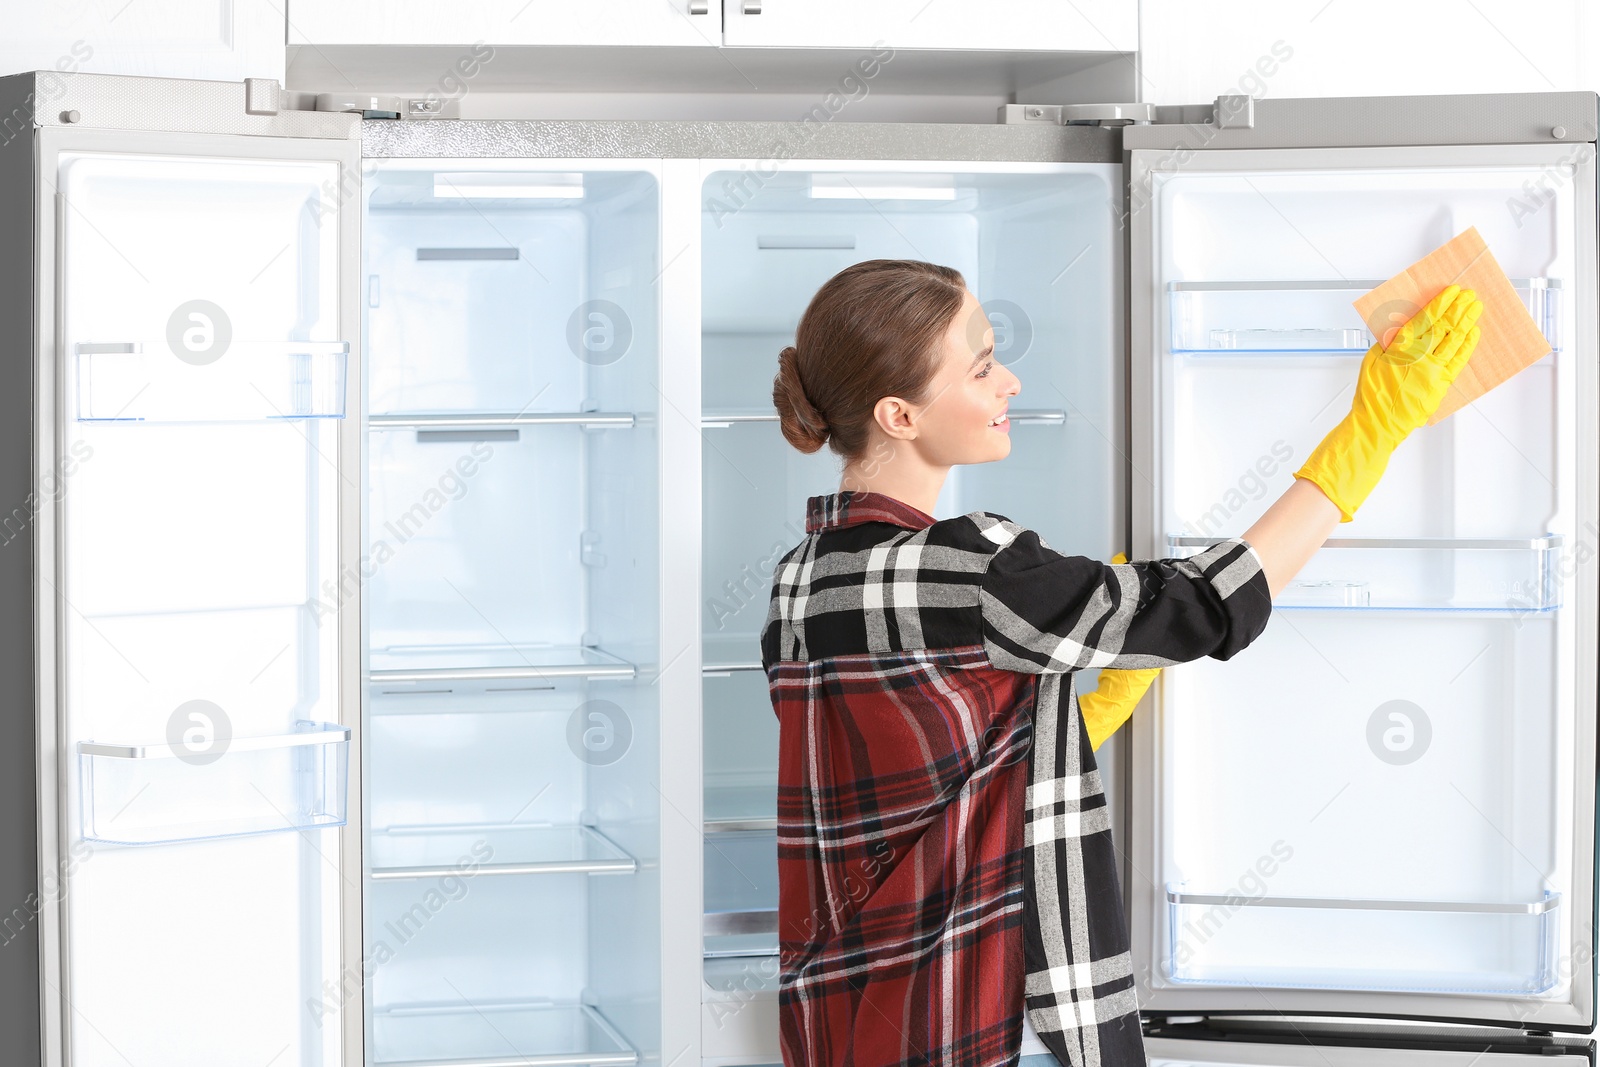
(1113, 699)
(1398, 388)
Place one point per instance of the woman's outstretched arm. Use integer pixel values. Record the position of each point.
(1289, 533)
(1397, 389)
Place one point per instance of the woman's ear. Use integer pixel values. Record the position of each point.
(893, 416)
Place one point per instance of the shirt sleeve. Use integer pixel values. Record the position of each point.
(1046, 613)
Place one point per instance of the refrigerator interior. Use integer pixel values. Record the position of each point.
(512, 890)
(1385, 777)
(201, 399)
(1036, 244)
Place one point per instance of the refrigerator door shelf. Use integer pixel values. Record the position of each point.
(226, 787)
(136, 381)
(487, 1034)
(494, 849)
(1504, 948)
(1307, 316)
(1501, 575)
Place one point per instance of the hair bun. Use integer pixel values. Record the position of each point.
(802, 424)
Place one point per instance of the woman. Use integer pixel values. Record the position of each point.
(944, 852)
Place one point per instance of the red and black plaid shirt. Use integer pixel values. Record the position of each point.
(944, 848)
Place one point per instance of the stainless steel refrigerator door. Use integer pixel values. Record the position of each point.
(1369, 1050)
(195, 369)
(1288, 857)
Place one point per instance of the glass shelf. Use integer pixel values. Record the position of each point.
(731, 808)
(488, 420)
(728, 652)
(161, 793)
(1305, 316)
(721, 418)
(726, 946)
(494, 849)
(498, 1034)
(133, 381)
(430, 667)
(1493, 947)
(1504, 575)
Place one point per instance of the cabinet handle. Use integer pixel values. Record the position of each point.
(751, 7)
(699, 7)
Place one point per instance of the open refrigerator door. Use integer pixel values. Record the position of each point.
(1383, 808)
(198, 698)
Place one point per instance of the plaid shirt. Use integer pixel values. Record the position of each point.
(944, 847)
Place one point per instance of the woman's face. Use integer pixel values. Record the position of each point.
(971, 390)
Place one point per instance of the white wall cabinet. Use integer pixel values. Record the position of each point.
(1193, 50)
(1023, 25)
(687, 23)
(225, 40)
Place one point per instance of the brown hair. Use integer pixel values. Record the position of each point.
(871, 331)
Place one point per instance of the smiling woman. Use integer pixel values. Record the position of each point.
(922, 675)
(945, 856)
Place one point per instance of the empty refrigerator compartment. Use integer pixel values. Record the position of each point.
(1486, 947)
(1306, 316)
(1432, 573)
(739, 753)
(502, 559)
(209, 378)
(517, 293)
(1413, 761)
(541, 1033)
(494, 849)
(200, 787)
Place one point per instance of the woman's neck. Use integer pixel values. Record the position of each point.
(898, 473)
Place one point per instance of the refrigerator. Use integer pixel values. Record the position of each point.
(513, 489)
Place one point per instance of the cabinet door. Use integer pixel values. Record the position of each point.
(1028, 25)
(227, 41)
(689, 23)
